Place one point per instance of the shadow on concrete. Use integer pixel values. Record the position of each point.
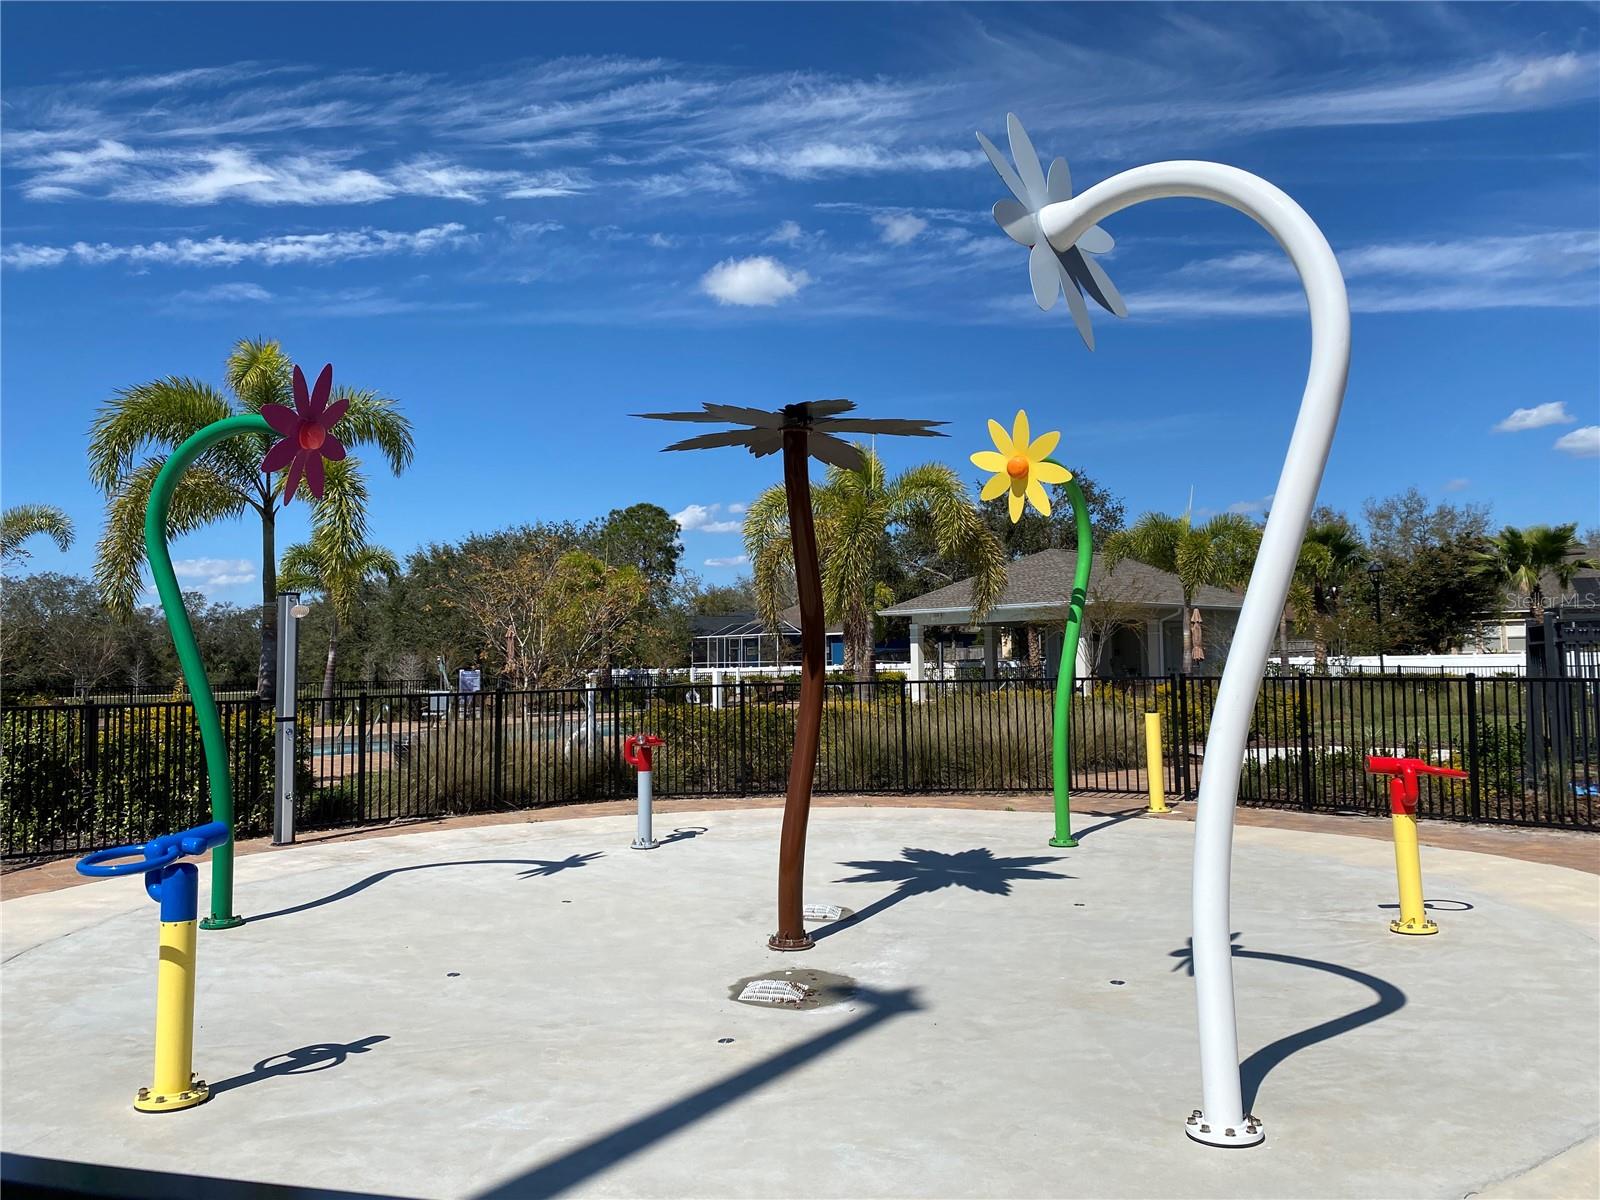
(307, 1060)
(29, 1178)
(683, 835)
(602, 1153)
(1255, 1068)
(537, 867)
(1113, 819)
(1440, 905)
(921, 872)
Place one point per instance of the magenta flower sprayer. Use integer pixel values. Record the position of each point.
(175, 886)
(307, 440)
(1061, 232)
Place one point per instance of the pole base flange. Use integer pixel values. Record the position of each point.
(1201, 1130)
(221, 922)
(1067, 842)
(1414, 927)
(1156, 812)
(196, 1093)
(639, 844)
(779, 942)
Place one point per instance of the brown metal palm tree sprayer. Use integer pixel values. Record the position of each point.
(801, 431)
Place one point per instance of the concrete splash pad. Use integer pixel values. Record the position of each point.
(525, 1010)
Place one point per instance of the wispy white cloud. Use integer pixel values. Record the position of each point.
(703, 518)
(1581, 443)
(1250, 507)
(1555, 269)
(759, 281)
(214, 572)
(1554, 254)
(732, 560)
(113, 170)
(226, 252)
(899, 228)
(1538, 417)
(702, 177)
(1457, 485)
(223, 293)
(787, 234)
(826, 158)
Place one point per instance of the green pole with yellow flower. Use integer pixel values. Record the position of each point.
(305, 441)
(1021, 466)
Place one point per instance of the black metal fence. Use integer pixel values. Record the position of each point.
(74, 777)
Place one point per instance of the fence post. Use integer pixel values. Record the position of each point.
(361, 753)
(1474, 784)
(905, 738)
(616, 738)
(1303, 720)
(1182, 735)
(91, 764)
(743, 774)
(498, 754)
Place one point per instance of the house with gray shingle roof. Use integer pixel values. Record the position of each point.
(1132, 621)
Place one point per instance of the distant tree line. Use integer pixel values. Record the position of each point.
(546, 604)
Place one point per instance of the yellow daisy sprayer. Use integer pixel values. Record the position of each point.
(1021, 466)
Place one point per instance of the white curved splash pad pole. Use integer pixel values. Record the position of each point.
(1222, 1120)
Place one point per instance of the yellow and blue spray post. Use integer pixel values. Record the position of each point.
(1403, 795)
(1154, 767)
(175, 886)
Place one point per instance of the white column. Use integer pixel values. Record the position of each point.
(1155, 647)
(914, 665)
(716, 688)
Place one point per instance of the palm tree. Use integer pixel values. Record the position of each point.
(1218, 553)
(226, 481)
(1524, 558)
(23, 521)
(800, 432)
(857, 510)
(1330, 554)
(337, 559)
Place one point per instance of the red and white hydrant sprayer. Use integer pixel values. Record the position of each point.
(637, 749)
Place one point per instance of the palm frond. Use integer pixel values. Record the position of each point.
(201, 497)
(23, 521)
(160, 414)
(957, 524)
(374, 420)
(766, 542)
(259, 373)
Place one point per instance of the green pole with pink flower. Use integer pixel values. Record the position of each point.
(306, 440)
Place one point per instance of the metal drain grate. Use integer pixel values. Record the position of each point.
(822, 912)
(774, 991)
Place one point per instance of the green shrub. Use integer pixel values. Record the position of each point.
(146, 775)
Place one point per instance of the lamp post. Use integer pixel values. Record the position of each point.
(1375, 573)
(290, 613)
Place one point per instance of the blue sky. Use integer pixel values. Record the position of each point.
(528, 222)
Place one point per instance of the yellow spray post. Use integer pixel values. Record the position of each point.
(176, 887)
(1153, 766)
(1403, 795)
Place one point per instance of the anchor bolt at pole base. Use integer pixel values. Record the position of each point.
(1414, 927)
(196, 1093)
(1203, 1131)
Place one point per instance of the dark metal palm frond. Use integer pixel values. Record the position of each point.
(763, 429)
(759, 442)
